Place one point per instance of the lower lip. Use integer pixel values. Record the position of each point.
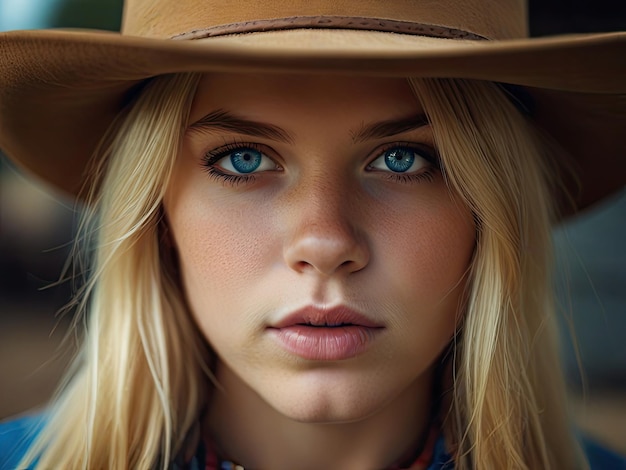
(325, 343)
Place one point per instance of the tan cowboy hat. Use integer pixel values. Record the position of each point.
(59, 90)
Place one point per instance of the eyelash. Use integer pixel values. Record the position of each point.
(213, 156)
(424, 151)
(427, 153)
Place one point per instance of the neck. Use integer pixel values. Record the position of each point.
(246, 430)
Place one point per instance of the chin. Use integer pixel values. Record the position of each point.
(330, 402)
(328, 413)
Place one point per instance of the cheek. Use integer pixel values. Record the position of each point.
(217, 244)
(220, 252)
(424, 261)
(429, 247)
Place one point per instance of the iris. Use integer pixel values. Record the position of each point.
(399, 159)
(246, 160)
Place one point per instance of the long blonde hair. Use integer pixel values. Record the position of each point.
(508, 405)
(135, 393)
(136, 388)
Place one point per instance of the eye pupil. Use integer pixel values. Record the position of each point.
(399, 160)
(246, 160)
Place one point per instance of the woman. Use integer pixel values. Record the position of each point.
(308, 255)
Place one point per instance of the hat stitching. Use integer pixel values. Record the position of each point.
(330, 22)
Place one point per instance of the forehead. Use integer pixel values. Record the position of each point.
(277, 95)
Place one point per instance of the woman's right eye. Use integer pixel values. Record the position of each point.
(240, 160)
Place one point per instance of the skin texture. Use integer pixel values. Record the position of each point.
(324, 223)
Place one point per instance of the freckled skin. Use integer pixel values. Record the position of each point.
(320, 229)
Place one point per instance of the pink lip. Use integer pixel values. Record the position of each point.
(326, 334)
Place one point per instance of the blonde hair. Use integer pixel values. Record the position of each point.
(508, 406)
(129, 403)
(136, 389)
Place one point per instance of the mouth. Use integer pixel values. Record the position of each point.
(326, 334)
(335, 317)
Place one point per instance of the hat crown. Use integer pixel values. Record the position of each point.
(164, 19)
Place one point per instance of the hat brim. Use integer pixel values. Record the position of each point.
(60, 90)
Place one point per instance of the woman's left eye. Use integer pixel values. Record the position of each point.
(403, 159)
(244, 160)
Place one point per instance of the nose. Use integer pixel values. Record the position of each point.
(325, 237)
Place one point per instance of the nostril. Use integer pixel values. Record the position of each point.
(345, 266)
(303, 265)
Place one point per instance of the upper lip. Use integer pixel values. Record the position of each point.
(326, 317)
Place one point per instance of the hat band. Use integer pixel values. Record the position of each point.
(331, 22)
(518, 96)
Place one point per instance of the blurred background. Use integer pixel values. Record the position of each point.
(37, 226)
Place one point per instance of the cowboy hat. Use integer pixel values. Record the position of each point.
(60, 90)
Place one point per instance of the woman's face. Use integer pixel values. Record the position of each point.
(321, 252)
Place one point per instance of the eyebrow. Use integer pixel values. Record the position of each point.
(389, 128)
(225, 121)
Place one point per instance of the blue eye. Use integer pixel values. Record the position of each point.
(401, 159)
(242, 160)
(246, 160)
